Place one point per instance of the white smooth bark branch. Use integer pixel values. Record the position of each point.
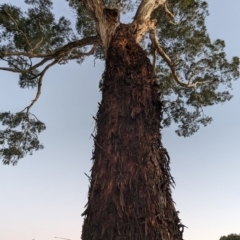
(106, 20)
(145, 9)
(142, 19)
(94, 8)
(169, 62)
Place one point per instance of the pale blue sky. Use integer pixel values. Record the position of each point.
(44, 195)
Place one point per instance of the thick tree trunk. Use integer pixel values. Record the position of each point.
(129, 196)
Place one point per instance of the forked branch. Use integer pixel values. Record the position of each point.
(94, 8)
(106, 20)
(156, 45)
(145, 10)
(39, 85)
(56, 55)
(142, 19)
(65, 52)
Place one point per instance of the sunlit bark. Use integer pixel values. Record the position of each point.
(106, 20)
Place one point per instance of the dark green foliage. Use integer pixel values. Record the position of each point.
(33, 41)
(197, 59)
(84, 24)
(230, 237)
(187, 42)
(35, 31)
(29, 79)
(20, 135)
(27, 35)
(24, 37)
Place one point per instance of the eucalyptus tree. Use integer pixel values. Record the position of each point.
(160, 68)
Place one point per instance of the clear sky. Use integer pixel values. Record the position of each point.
(44, 195)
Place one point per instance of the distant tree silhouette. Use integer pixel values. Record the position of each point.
(231, 237)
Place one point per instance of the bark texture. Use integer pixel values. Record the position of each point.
(129, 196)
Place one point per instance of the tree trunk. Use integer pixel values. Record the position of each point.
(129, 196)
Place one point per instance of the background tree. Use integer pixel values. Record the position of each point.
(207, 67)
(230, 237)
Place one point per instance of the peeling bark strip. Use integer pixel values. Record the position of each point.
(129, 196)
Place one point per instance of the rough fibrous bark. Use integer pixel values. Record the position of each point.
(129, 196)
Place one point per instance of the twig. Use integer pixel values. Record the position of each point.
(97, 143)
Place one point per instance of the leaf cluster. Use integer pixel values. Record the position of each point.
(35, 31)
(30, 43)
(231, 237)
(195, 56)
(26, 36)
(196, 59)
(20, 135)
(33, 41)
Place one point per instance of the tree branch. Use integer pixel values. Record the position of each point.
(24, 54)
(19, 30)
(94, 40)
(94, 8)
(170, 14)
(142, 19)
(106, 19)
(157, 46)
(145, 10)
(80, 54)
(56, 56)
(10, 69)
(39, 85)
(59, 53)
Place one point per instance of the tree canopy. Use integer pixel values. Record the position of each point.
(192, 71)
(230, 237)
